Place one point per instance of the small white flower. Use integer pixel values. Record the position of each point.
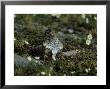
(37, 57)
(87, 20)
(26, 42)
(64, 74)
(89, 36)
(88, 42)
(87, 70)
(72, 72)
(43, 73)
(83, 16)
(36, 61)
(70, 30)
(29, 58)
(56, 15)
(49, 74)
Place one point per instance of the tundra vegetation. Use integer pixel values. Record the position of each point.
(77, 33)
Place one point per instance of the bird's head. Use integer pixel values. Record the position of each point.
(49, 32)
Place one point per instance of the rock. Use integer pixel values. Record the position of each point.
(20, 61)
(70, 53)
(70, 30)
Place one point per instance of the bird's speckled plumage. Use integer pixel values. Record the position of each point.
(53, 43)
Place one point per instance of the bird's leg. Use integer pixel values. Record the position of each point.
(53, 57)
(47, 55)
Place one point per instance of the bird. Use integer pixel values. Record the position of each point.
(52, 43)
